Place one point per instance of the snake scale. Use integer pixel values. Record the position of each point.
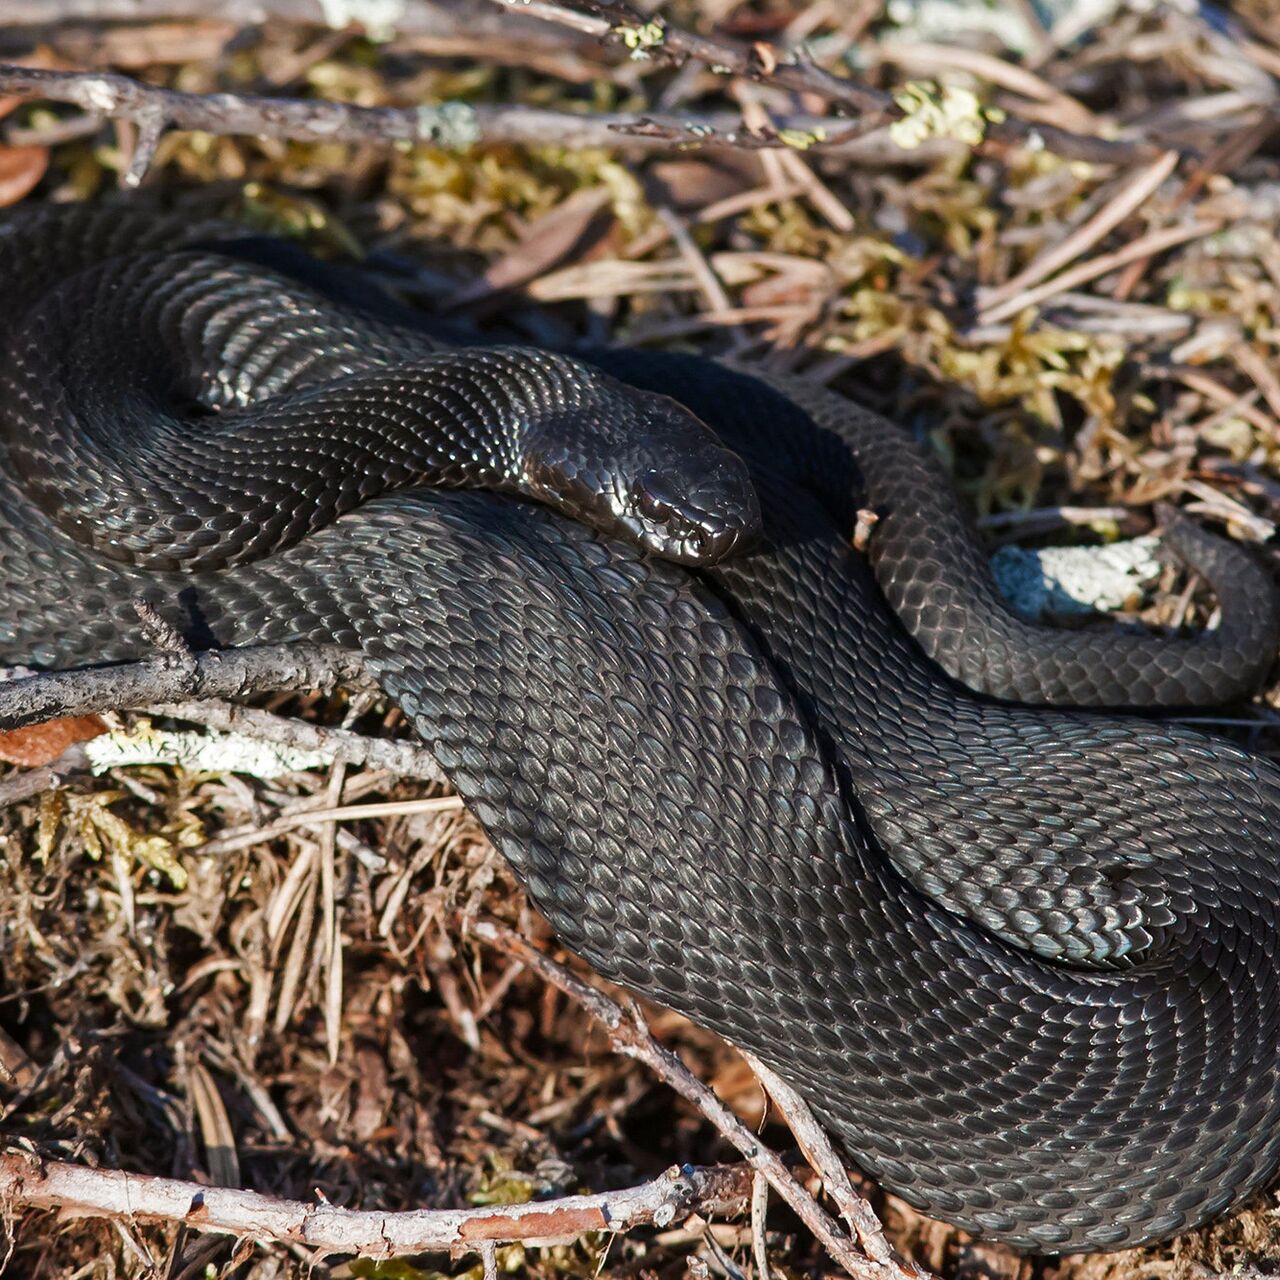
(1021, 959)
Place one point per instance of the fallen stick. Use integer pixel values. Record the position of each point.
(216, 673)
(329, 1229)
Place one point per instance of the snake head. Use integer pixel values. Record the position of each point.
(640, 466)
(693, 519)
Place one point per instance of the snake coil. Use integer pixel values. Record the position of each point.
(1021, 959)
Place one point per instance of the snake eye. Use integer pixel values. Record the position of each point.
(649, 505)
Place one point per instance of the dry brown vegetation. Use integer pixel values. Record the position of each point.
(303, 1013)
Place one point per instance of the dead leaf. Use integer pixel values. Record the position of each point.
(215, 1127)
(547, 241)
(39, 744)
(688, 185)
(20, 169)
(141, 45)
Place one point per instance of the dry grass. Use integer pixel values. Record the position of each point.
(300, 1014)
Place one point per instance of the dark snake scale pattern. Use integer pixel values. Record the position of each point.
(1022, 960)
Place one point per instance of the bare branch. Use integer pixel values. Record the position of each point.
(225, 673)
(460, 125)
(630, 1036)
(404, 759)
(151, 125)
(452, 125)
(134, 1197)
(452, 28)
(119, 97)
(437, 18)
(759, 1212)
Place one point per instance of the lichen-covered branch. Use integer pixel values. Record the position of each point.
(404, 759)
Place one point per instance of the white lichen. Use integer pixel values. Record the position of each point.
(454, 126)
(198, 752)
(379, 18)
(1066, 581)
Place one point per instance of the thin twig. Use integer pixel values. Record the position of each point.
(133, 1197)
(1127, 200)
(631, 1037)
(727, 57)
(713, 291)
(230, 841)
(759, 1213)
(921, 57)
(822, 1156)
(1155, 242)
(413, 17)
(1259, 372)
(29, 783)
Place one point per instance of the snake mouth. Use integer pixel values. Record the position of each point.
(696, 548)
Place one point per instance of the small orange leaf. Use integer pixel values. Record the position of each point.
(20, 169)
(40, 743)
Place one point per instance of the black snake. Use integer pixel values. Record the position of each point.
(1022, 960)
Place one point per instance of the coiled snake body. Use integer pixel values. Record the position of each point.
(1022, 960)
